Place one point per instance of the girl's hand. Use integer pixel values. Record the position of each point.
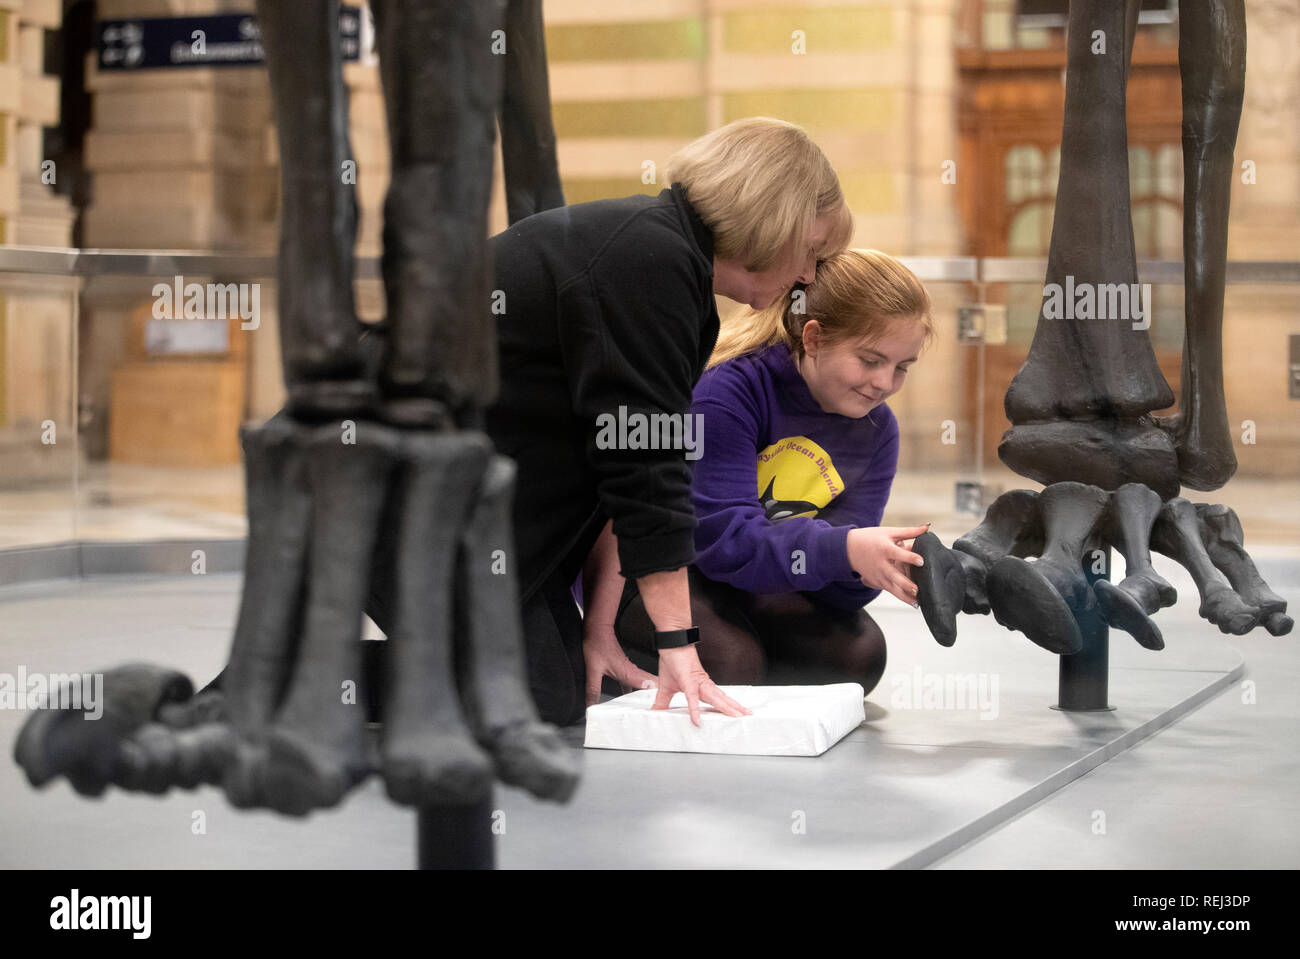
(878, 556)
(605, 657)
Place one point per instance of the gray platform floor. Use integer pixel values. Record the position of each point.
(1196, 767)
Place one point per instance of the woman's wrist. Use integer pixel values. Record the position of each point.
(667, 599)
(599, 632)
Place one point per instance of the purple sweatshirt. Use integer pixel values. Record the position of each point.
(780, 482)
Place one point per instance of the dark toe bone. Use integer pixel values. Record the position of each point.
(493, 677)
(532, 756)
(429, 754)
(279, 518)
(1134, 509)
(1128, 604)
(316, 748)
(205, 706)
(1012, 527)
(941, 587)
(1279, 624)
(147, 761)
(1224, 542)
(158, 757)
(435, 769)
(243, 779)
(203, 754)
(1041, 598)
(65, 742)
(299, 774)
(1177, 534)
(1024, 596)
(1122, 608)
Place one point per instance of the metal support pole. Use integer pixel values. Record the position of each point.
(456, 837)
(1085, 676)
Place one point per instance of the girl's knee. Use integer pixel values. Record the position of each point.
(866, 652)
(732, 659)
(729, 648)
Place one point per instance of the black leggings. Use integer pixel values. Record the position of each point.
(748, 639)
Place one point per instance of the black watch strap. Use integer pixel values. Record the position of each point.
(676, 638)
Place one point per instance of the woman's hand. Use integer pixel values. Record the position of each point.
(680, 672)
(877, 555)
(667, 601)
(605, 657)
(602, 585)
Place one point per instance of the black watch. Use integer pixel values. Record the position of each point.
(677, 638)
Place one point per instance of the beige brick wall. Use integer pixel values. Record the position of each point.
(37, 332)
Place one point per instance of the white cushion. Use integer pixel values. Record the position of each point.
(786, 721)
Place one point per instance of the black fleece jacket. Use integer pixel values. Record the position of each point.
(606, 304)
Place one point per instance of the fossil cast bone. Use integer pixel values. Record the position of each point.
(1143, 591)
(375, 472)
(1177, 534)
(1212, 91)
(1224, 542)
(1011, 527)
(1039, 598)
(532, 172)
(1081, 405)
(1065, 525)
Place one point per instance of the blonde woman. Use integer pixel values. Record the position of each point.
(608, 316)
(799, 455)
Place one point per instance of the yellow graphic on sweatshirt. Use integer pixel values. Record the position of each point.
(796, 478)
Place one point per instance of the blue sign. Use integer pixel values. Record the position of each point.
(220, 40)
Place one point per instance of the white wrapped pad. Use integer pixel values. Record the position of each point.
(786, 721)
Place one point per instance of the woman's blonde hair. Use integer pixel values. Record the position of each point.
(856, 295)
(757, 183)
